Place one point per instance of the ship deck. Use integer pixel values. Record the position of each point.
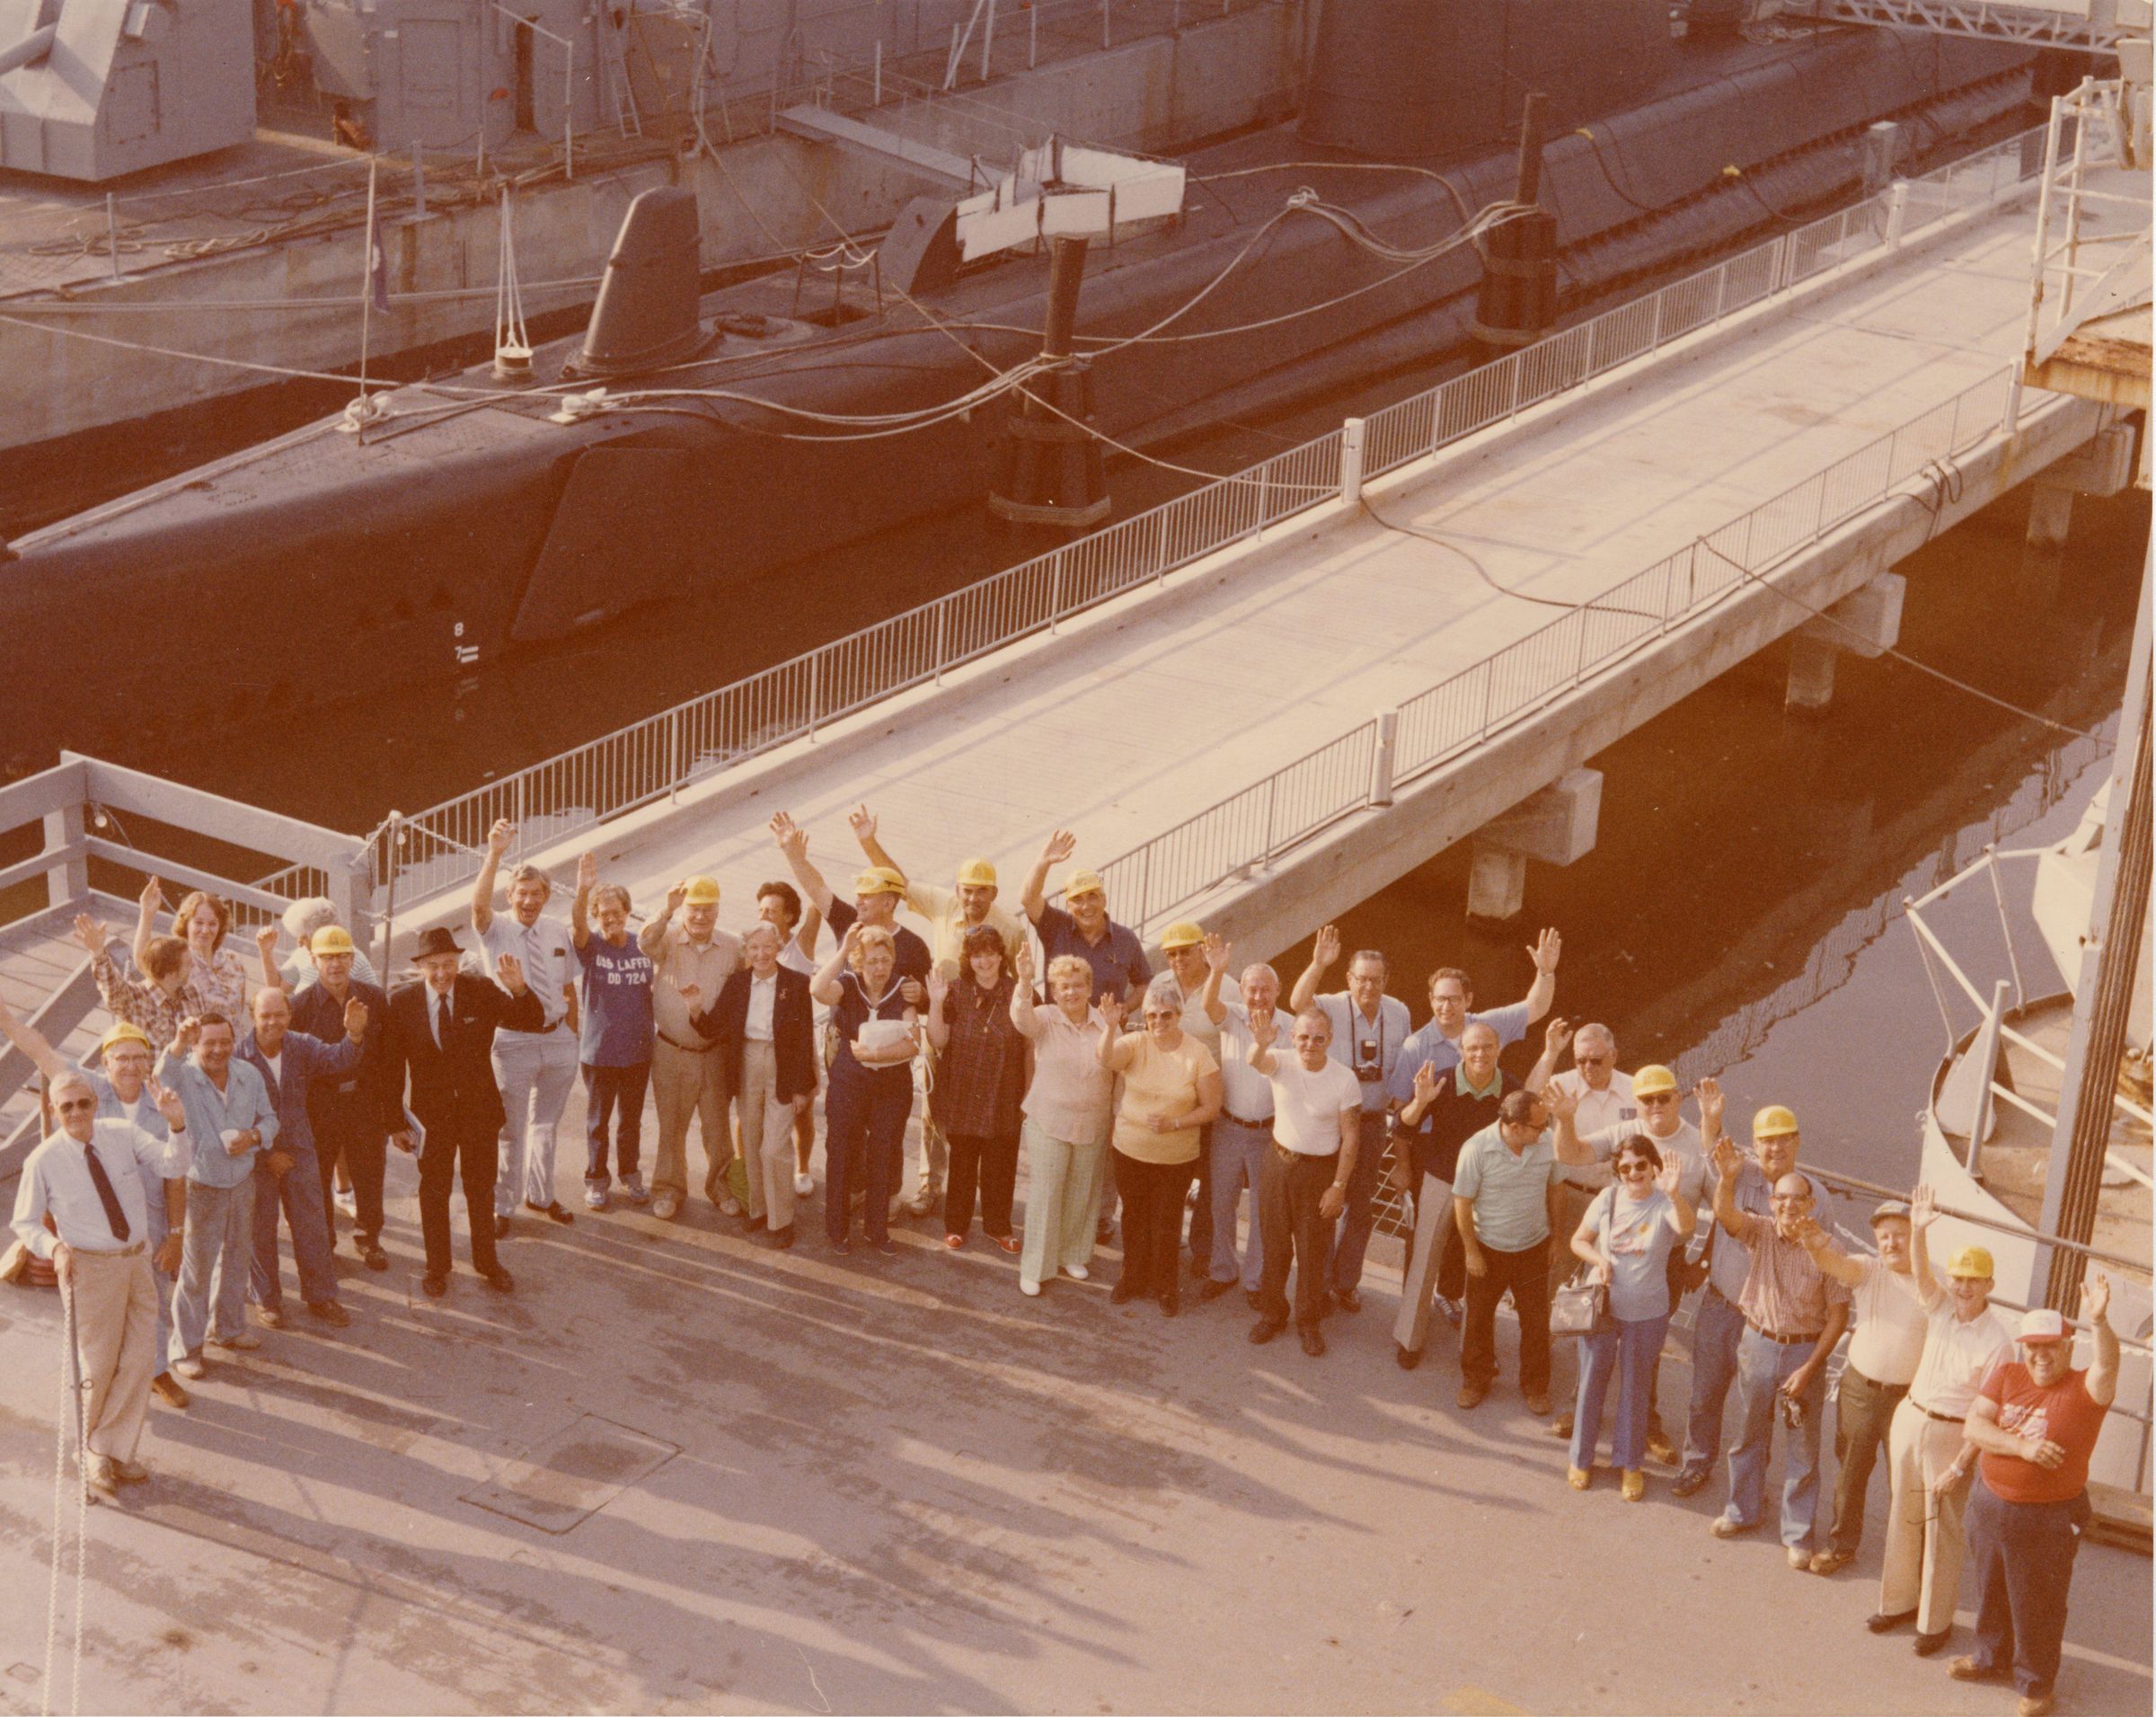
(678, 1472)
(2014, 1159)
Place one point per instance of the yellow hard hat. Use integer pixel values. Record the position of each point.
(1182, 934)
(123, 1032)
(1082, 882)
(330, 939)
(878, 879)
(700, 891)
(1653, 1080)
(1773, 1121)
(1973, 1263)
(976, 874)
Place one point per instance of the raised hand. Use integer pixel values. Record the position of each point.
(1709, 1094)
(265, 939)
(1426, 1082)
(1022, 964)
(2096, 1296)
(185, 1035)
(1547, 947)
(153, 895)
(1811, 1236)
(1061, 844)
(1563, 1101)
(1111, 1012)
(92, 935)
(861, 821)
(792, 839)
(1672, 1175)
(1217, 953)
(1728, 1160)
(1326, 954)
(499, 837)
(1265, 1032)
(939, 988)
(355, 1019)
(675, 897)
(166, 1101)
(587, 873)
(1923, 1208)
(510, 970)
(1556, 1035)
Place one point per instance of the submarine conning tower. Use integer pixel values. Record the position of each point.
(649, 311)
(1403, 80)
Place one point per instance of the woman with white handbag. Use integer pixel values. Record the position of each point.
(1625, 1239)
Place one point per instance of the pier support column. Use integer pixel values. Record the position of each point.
(2102, 465)
(1866, 622)
(1557, 825)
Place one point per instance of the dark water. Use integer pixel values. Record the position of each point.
(1741, 913)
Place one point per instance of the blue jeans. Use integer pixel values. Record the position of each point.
(1762, 1365)
(1629, 1348)
(217, 1252)
(1351, 1240)
(154, 1233)
(2023, 1554)
(300, 1194)
(1714, 1334)
(1239, 1154)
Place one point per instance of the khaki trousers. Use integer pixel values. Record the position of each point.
(685, 1086)
(766, 1137)
(115, 1336)
(1925, 1539)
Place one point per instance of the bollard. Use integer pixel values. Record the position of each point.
(1351, 461)
(1897, 212)
(1381, 758)
(419, 184)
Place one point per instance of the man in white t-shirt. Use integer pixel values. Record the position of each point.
(1886, 1340)
(1317, 1110)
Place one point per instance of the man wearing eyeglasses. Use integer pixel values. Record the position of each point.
(87, 1178)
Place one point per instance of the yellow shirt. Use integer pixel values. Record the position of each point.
(946, 919)
(1157, 1082)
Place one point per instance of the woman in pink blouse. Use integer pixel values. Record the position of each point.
(1067, 1114)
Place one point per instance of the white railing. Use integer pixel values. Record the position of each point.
(655, 758)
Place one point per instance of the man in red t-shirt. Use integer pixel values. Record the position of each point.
(2034, 1425)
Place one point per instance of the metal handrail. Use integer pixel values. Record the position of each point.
(653, 758)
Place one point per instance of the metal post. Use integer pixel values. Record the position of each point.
(1351, 461)
(1104, 42)
(1721, 290)
(1381, 758)
(987, 39)
(1897, 212)
(418, 183)
(816, 664)
(674, 753)
(1056, 595)
(2104, 989)
(1513, 409)
(1032, 36)
(393, 828)
(113, 234)
(942, 610)
(568, 113)
(876, 99)
(2036, 291)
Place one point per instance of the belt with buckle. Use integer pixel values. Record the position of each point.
(687, 1048)
(1944, 1419)
(119, 1252)
(1263, 1126)
(1287, 1153)
(1781, 1340)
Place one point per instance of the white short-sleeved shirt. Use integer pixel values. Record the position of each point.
(545, 952)
(1887, 1337)
(1307, 1106)
(1599, 1111)
(1245, 1092)
(1957, 1358)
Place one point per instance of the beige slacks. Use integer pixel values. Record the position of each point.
(687, 1086)
(116, 1335)
(1924, 1541)
(766, 1135)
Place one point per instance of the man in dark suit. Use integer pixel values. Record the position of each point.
(442, 1030)
(764, 1024)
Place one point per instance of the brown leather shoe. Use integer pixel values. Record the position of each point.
(1471, 1394)
(1539, 1405)
(1966, 1669)
(1832, 1562)
(166, 1388)
(331, 1312)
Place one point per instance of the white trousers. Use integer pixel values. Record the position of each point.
(536, 1071)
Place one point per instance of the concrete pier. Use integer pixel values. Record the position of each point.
(1866, 622)
(1555, 827)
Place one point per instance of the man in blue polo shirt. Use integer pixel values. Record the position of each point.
(1081, 926)
(1505, 1201)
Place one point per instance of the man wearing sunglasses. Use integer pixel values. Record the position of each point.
(87, 1178)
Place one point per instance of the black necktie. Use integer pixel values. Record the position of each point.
(105, 1194)
(441, 1031)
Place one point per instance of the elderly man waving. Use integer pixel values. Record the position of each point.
(87, 1178)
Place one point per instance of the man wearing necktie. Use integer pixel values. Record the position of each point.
(87, 1178)
(441, 1036)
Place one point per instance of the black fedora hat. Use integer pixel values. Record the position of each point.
(439, 940)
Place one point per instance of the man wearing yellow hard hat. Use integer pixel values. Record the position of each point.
(951, 912)
(688, 1073)
(1930, 1462)
(1718, 1328)
(1081, 927)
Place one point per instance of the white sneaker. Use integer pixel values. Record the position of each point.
(1031, 1289)
(804, 1184)
(348, 1201)
(1077, 1272)
(729, 1205)
(632, 1188)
